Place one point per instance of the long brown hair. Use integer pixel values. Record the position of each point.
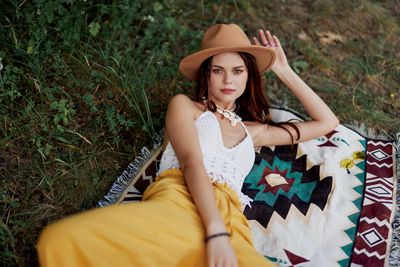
(253, 104)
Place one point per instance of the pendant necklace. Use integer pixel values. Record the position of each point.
(229, 114)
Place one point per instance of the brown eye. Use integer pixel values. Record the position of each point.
(237, 71)
(217, 71)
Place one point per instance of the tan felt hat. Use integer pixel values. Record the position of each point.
(222, 38)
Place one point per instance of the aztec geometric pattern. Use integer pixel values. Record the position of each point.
(325, 202)
(374, 223)
(279, 180)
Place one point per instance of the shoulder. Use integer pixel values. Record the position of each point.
(181, 103)
(181, 115)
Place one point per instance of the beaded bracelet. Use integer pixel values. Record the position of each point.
(216, 235)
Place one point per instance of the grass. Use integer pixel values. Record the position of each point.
(85, 84)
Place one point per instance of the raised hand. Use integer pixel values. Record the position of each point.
(271, 41)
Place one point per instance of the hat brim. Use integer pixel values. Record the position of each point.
(190, 64)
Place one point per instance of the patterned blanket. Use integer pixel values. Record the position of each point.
(330, 201)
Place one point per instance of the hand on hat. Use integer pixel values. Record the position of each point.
(271, 41)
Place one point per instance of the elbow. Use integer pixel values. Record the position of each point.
(333, 123)
(191, 164)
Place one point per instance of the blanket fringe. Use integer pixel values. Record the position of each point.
(119, 186)
(394, 256)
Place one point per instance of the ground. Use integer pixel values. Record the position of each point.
(85, 84)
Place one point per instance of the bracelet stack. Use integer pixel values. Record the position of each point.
(216, 235)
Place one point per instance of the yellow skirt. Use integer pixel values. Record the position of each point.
(164, 229)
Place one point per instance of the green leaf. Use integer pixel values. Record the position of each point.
(54, 105)
(157, 7)
(63, 140)
(47, 149)
(60, 128)
(94, 28)
(65, 121)
(56, 119)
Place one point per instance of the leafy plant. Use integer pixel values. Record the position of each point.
(64, 113)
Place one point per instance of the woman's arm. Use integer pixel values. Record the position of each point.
(182, 132)
(323, 119)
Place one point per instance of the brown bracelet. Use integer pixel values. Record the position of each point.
(216, 235)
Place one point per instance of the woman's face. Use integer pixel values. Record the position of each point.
(228, 78)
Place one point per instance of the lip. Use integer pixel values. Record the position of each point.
(227, 91)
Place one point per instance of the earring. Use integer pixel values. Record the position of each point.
(204, 100)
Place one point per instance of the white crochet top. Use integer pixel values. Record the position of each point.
(224, 165)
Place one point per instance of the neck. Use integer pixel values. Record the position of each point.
(227, 113)
(224, 105)
(232, 109)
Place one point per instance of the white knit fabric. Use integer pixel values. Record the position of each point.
(224, 165)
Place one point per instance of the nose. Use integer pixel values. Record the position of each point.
(228, 77)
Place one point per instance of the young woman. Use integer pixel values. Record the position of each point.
(192, 214)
